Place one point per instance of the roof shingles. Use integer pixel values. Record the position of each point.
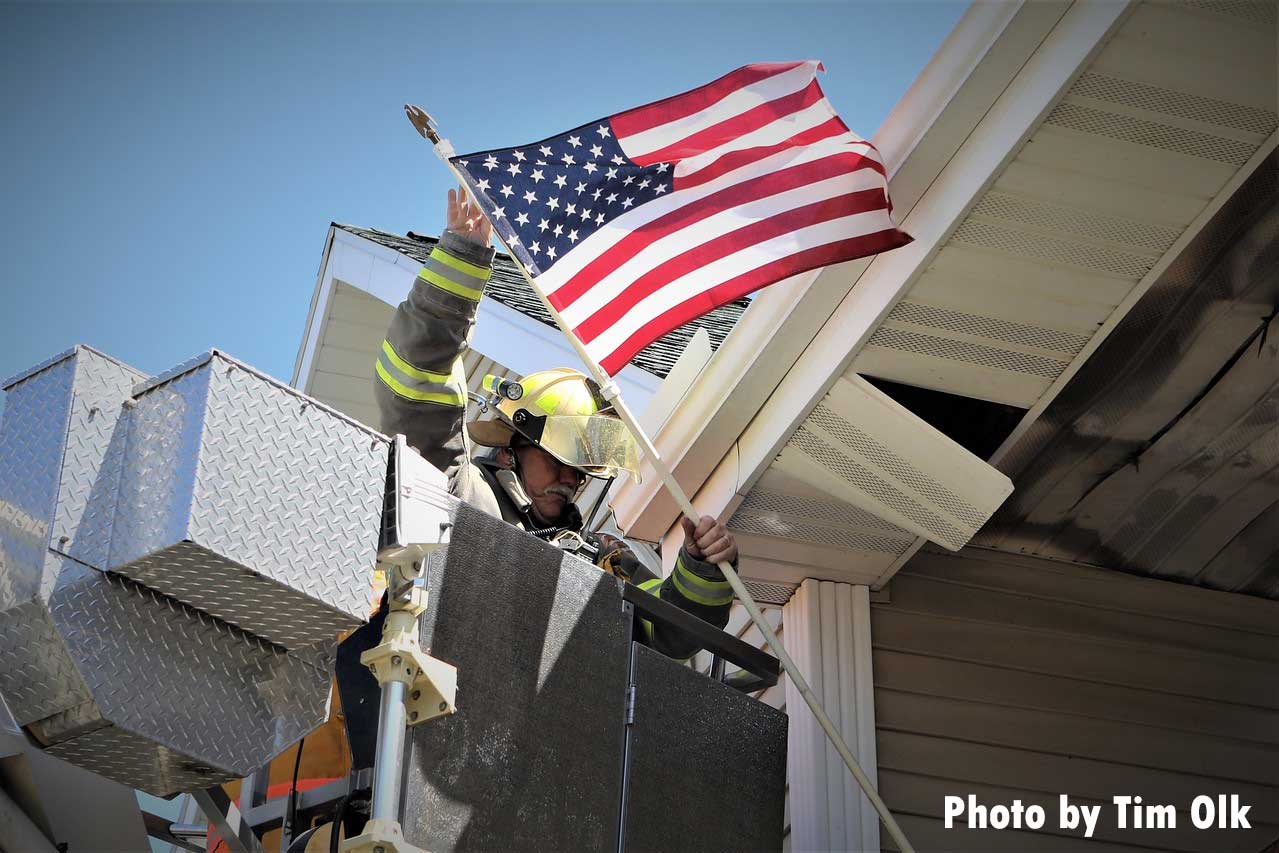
(508, 287)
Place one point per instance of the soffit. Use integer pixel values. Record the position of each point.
(1179, 99)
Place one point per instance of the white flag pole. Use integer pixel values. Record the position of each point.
(608, 388)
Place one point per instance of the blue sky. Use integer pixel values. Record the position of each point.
(170, 169)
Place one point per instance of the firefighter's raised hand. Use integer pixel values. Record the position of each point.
(465, 219)
(709, 540)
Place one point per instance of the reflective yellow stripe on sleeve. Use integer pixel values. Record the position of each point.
(409, 370)
(700, 590)
(432, 277)
(482, 273)
(652, 586)
(455, 275)
(421, 386)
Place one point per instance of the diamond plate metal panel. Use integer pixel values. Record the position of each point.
(37, 676)
(31, 439)
(69, 723)
(318, 479)
(191, 691)
(137, 762)
(158, 473)
(182, 678)
(92, 456)
(707, 764)
(263, 482)
(532, 758)
(272, 610)
(109, 674)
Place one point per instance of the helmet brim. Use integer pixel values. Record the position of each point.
(491, 433)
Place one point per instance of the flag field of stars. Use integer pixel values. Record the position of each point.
(549, 196)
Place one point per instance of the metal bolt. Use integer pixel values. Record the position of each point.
(417, 694)
(379, 850)
(395, 661)
(373, 668)
(413, 715)
(444, 706)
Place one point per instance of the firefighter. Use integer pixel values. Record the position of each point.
(532, 457)
(537, 451)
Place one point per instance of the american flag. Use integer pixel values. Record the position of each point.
(640, 222)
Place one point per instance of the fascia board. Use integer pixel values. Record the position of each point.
(953, 68)
(974, 66)
(377, 250)
(718, 497)
(315, 317)
(720, 402)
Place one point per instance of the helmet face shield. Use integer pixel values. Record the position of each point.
(591, 442)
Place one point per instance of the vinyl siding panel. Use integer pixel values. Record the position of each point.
(1010, 678)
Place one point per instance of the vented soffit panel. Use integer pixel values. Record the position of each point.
(1179, 100)
(863, 448)
(788, 530)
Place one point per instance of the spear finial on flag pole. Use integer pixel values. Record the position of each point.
(836, 204)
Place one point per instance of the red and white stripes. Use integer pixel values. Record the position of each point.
(767, 182)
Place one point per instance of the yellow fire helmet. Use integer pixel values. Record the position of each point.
(562, 412)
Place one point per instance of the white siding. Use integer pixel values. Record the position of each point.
(353, 328)
(1012, 677)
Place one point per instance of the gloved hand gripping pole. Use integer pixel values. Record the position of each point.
(415, 686)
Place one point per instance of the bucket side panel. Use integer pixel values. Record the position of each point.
(532, 758)
(707, 764)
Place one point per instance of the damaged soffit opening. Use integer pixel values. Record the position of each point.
(1161, 456)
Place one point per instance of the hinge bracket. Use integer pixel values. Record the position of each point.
(630, 704)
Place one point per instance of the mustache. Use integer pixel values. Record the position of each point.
(557, 489)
